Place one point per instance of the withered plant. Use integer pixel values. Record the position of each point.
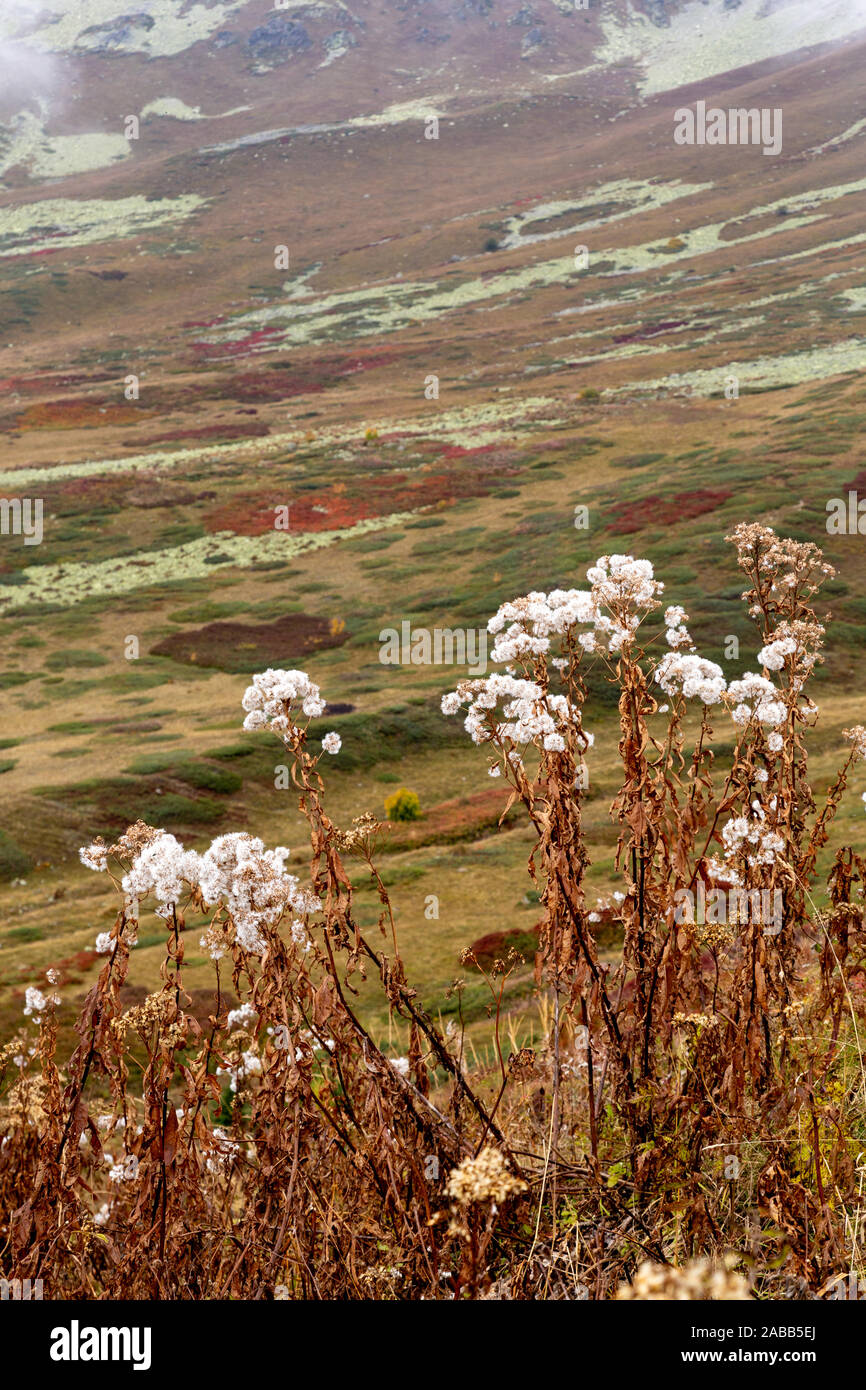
(697, 1103)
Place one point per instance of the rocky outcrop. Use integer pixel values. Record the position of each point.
(278, 40)
(525, 18)
(116, 35)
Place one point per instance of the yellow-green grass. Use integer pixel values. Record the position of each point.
(75, 724)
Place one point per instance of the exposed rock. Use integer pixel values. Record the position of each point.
(278, 40)
(657, 14)
(525, 16)
(115, 34)
(427, 36)
(469, 7)
(338, 43)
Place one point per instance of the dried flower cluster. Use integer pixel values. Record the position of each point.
(483, 1179)
(700, 1279)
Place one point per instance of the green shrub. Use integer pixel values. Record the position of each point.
(233, 750)
(201, 775)
(153, 762)
(63, 661)
(212, 779)
(180, 810)
(13, 861)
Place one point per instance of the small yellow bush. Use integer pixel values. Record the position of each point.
(403, 805)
